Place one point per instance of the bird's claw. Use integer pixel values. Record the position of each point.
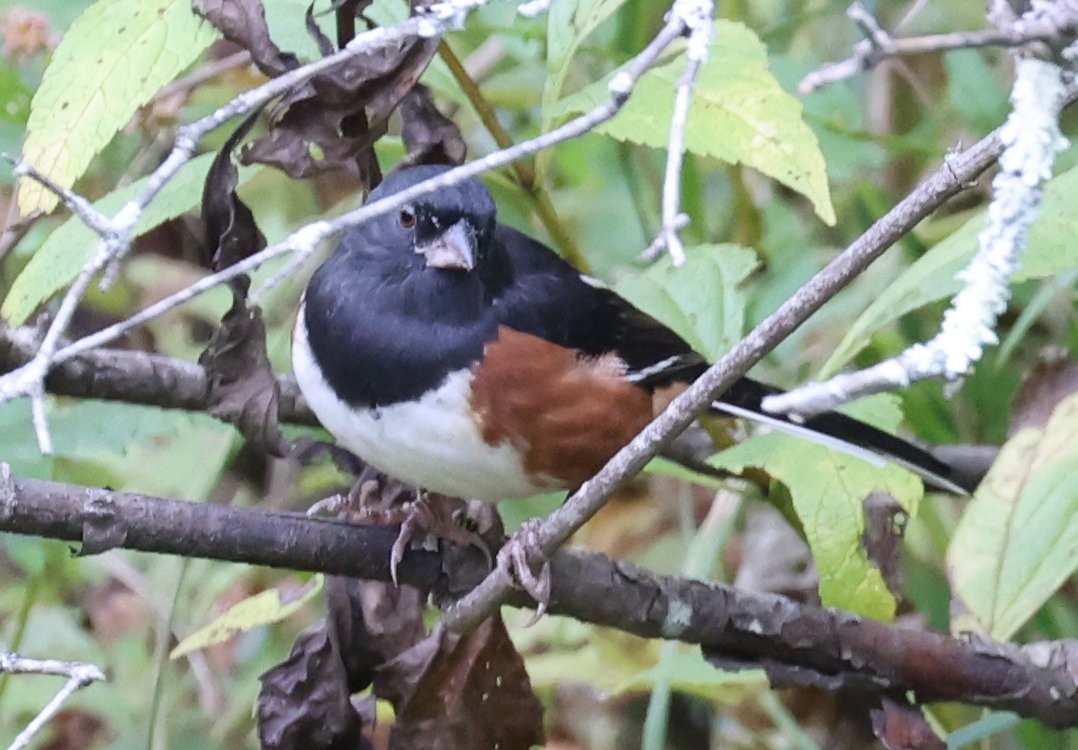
(518, 557)
(429, 514)
(357, 500)
(414, 518)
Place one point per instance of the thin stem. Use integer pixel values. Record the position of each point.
(523, 171)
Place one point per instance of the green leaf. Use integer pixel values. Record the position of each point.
(67, 250)
(569, 23)
(88, 431)
(686, 671)
(739, 114)
(981, 730)
(1017, 541)
(15, 97)
(702, 300)
(111, 61)
(827, 489)
(974, 91)
(1050, 248)
(261, 609)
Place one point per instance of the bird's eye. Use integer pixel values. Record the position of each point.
(407, 218)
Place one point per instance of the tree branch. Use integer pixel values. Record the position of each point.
(879, 46)
(135, 377)
(794, 643)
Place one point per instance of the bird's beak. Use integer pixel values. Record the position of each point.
(452, 249)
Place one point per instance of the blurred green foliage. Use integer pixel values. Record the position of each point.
(752, 241)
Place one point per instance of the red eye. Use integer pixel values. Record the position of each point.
(407, 218)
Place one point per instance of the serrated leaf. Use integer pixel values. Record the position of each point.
(740, 114)
(1050, 248)
(1017, 541)
(702, 300)
(111, 61)
(263, 608)
(569, 23)
(71, 245)
(828, 489)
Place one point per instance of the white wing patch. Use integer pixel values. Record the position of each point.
(642, 374)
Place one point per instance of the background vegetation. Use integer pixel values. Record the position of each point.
(751, 241)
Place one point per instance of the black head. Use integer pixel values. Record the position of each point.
(450, 230)
(408, 297)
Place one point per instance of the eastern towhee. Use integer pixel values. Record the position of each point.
(461, 356)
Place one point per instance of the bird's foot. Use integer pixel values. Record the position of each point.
(358, 500)
(429, 515)
(519, 556)
(444, 518)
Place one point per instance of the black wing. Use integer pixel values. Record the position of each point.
(549, 298)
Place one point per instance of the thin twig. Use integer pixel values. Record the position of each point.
(695, 17)
(78, 205)
(867, 54)
(78, 676)
(524, 171)
(16, 227)
(204, 74)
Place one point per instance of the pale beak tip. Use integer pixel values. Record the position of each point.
(453, 250)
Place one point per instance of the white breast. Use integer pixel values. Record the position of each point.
(433, 443)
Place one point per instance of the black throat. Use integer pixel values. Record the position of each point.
(386, 329)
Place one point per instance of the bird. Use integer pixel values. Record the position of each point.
(461, 356)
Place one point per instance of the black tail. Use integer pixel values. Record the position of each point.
(845, 434)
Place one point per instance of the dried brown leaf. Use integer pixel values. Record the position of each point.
(230, 228)
(244, 22)
(429, 136)
(243, 388)
(332, 122)
(372, 622)
(1052, 380)
(885, 524)
(305, 701)
(901, 727)
(454, 692)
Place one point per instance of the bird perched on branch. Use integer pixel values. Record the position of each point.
(461, 356)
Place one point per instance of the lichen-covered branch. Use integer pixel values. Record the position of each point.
(1031, 140)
